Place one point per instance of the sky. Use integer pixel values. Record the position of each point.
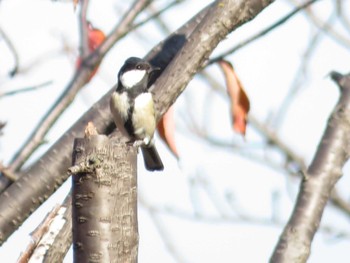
(218, 204)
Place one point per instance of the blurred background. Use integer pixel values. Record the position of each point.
(228, 196)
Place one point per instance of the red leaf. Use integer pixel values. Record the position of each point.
(239, 100)
(166, 130)
(95, 39)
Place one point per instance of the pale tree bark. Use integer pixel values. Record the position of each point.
(104, 200)
(316, 187)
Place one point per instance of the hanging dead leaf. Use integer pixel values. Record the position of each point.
(95, 37)
(239, 100)
(166, 130)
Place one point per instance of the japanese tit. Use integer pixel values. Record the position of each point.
(132, 108)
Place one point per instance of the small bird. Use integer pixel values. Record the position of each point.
(133, 111)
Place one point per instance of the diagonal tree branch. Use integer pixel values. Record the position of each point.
(79, 80)
(44, 176)
(318, 182)
(211, 25)
(222, 18)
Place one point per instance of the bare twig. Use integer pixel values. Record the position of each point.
(26, 89)
(241, 218)
(293, 163)
(78, 81)
(299, 81)
(157, 14)
(262, 33)
(8, 174)
(13, 51)
(330, 31)
(162, 231)
(343, 16)
(84, 41)
(2, 125)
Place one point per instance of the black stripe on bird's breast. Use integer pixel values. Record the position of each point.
(128, 125)
(132, 94)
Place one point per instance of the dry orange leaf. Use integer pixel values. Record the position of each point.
(239, 100)
(166, 130)
(95, 38)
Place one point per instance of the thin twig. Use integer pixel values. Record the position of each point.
(343, 17)
(162, 231)
(330, 31)
(298, 82)
(157, 14)
(84, 41)
(26, 89)
(13, 51)
(78, 81)
(241, 218)
(291, 157)
(261, 33)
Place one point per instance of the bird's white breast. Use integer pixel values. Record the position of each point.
(143, 100)
(120, 104)
(143, 117)
(132, 77)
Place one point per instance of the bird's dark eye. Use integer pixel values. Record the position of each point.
(138, 67)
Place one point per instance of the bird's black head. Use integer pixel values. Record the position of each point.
(135, 71)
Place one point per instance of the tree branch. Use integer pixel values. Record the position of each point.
(222, 18)
(79, 80)
(318, 182)
(63, 238)
(13, 51)
(84, 41)
(37, 236)
(39, 182)
(45, 175)
(26, 89)
(262, 33)
(104, 199)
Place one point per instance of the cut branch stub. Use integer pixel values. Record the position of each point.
(104, 200)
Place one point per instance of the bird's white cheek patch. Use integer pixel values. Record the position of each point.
(132, 77)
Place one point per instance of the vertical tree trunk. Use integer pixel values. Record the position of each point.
(104, 201)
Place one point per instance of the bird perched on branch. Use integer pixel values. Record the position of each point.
(132, 108)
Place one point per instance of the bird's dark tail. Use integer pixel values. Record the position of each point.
(151, 158)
